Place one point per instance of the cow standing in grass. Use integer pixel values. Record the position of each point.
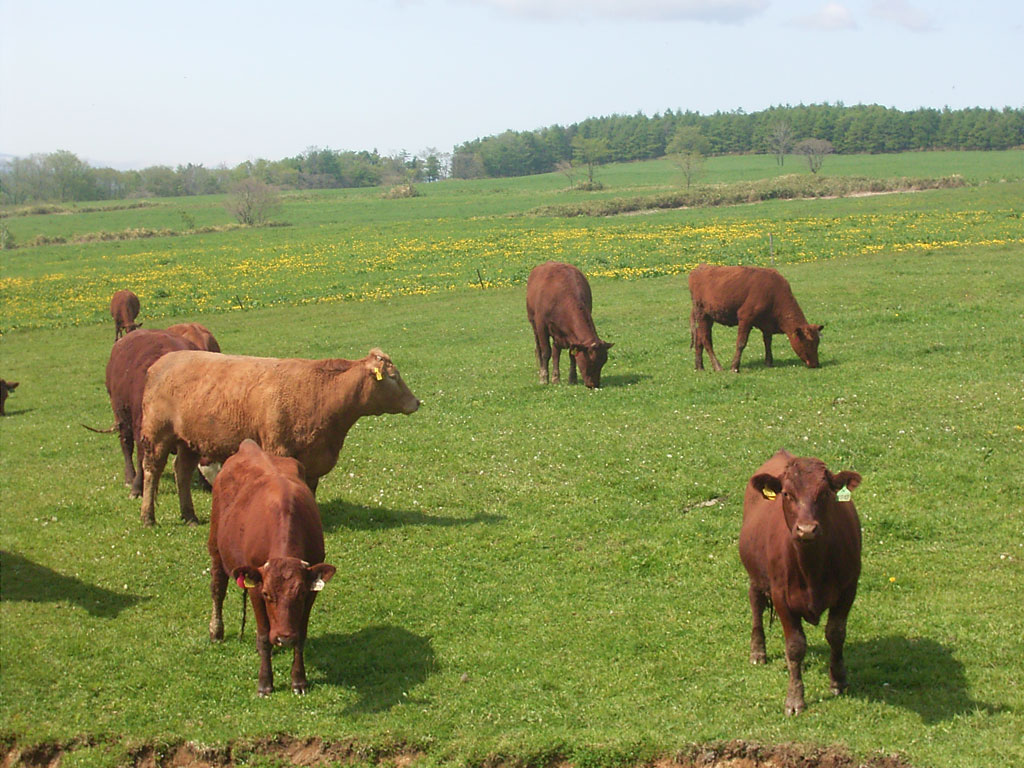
(206, 404)
(124, 308)
(750, 297)
(558, 306)
(265, 534)
(800, 542)
(6, 387)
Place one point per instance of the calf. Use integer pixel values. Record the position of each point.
(6, 387)
(558, 305)
(750, 297)
(206, 404)
(124, 308)
(800, 543)
(264, 533)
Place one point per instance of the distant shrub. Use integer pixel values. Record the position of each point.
(401, 190)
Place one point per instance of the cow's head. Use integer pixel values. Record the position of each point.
(805, 341)
(389, 393)
(288, 586)
(591, 359)
(806, 489)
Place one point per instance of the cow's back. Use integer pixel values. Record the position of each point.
(720, 291)
(553, 288)
(262, 508)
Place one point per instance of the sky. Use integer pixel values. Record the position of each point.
(130, 84)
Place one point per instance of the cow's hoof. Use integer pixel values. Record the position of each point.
(265, 691)
(758, 657)
(299, 690)
(794, 708)
(838, 689)
(149, 522)
(191, 521)
(133, 494)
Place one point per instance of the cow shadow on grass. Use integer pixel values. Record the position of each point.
(622, 380)
(357, 517)
(22, 579)
(381, 663)
(918, 674)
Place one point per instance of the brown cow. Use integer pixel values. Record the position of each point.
(558, 305)
(6, 387)
(204, 404)
(264, 533)
(800, 543)
(198, 334)
(124, 308)
(130, 359)
(751, 297)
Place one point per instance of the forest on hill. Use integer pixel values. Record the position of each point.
(63, 176)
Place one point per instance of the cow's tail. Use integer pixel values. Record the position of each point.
(110, 431)
(771, 612)
(241, 632)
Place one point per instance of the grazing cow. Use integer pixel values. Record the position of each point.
(800, 543)
(751, 297)
(558, 305)
(124, 308)
(197, 334)
(204, 404)
(130, 359)
(264, 533)
(6, 387)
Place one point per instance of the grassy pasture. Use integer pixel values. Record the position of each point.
(529, 572)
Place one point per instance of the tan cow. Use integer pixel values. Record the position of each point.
(206, 404)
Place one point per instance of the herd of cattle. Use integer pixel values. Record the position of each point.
(278, 425)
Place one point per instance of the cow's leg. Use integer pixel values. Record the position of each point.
(184, 467)
(127, 439)
(741, 343)
(265, 684)
(758, 602)
(154, 459)
(556, 375)
(696, 342)
(543, 346)
(767, 348)
(835, 633)
(218, 588)
(299, 683)
(796, 647)
(704, 339)
(572, 368)
(136, 490)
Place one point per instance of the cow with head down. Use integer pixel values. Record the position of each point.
(748, 297)
(206, 404)
(265, 534)
(801, 543)
(124, 308)
(559, 306)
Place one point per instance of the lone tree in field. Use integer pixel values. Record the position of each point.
(780, 140)
(252, 202)
(814, 150)
(687, 147)
(590, 152)
(567, 169)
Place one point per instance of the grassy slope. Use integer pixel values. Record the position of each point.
(527, 570)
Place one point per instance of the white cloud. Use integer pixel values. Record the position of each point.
(903, 14)
(831, 16)
(721, 11)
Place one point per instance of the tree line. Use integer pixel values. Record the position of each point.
(62, 176)
(861, 129)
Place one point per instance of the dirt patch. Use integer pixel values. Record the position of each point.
(315, 752)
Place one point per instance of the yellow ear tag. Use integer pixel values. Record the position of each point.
(843, 494)
(248, 583)
(378, 374)
(768, 493)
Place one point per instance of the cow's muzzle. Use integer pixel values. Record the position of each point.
(806, 531)
(284, 640)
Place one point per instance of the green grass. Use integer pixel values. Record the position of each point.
(530, 571)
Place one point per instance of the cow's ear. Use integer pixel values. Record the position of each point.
(246, 576)
(319, 575)
(767, 485)
(845, 478)
(818, 328)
